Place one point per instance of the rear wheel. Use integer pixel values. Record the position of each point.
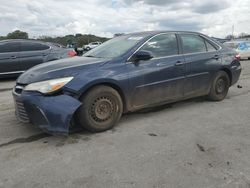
(220, 86)
(101, 109)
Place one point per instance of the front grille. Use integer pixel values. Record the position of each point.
(21, 112)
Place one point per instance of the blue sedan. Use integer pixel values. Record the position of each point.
(124, 74)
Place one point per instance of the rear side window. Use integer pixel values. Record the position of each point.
(210, 47)
(162, 45)
(33, 46)
(193, 43)
(10, 47)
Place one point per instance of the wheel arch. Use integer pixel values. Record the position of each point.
(109, 84)
(229, 74)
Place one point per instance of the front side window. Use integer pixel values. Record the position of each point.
(41, 47)
(10, 47)
(162, 45)
(192, 43)
(33, 46)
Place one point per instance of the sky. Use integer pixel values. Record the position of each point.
(107, 17)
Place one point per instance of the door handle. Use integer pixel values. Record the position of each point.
(216, 57)
(13, 57)
(179, 63)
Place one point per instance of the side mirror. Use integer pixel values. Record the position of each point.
(141, 56)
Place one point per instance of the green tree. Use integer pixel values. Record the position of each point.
(18, 35)
(244, 35)
(79, 39)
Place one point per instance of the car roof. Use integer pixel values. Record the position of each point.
(51, 44)
(21, 40)
(159, 32)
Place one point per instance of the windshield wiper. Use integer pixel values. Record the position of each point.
(92, 56)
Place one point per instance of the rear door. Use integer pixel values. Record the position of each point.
(201, 58)
(160, 78)
(33, 53)
(9, 58)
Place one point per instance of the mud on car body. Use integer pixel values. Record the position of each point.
(124, 74)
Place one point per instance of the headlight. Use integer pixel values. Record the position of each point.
(48, 86)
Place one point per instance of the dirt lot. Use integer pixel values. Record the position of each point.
(195, 143)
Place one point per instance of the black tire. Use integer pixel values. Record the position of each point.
(220, 86)
(88, 48)
(101, 109)
(248, 58)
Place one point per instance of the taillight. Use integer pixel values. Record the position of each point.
(237, 57)
(72, 53)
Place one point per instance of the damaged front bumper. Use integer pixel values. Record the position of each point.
(53, 114)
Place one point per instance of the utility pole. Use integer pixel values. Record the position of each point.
(233, 32)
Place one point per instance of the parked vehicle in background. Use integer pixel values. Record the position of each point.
(72, 45)
(91, 45)
(57, 44)
(18, 55)
(220, 39)
(124, 74)
(80, 51)
(242, 47)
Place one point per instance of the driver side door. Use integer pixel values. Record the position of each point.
(161, 78)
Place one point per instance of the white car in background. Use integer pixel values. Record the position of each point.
(91, 45)
(242, 47)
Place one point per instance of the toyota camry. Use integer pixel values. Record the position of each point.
(124, 74)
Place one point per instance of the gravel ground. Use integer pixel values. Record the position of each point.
(190, 144)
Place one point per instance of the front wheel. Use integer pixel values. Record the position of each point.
(101, 109)
(220, 86)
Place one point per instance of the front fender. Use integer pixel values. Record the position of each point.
(113, 74)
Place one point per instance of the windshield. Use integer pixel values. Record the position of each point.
(114, 47)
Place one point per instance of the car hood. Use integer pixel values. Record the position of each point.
(59, 68)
